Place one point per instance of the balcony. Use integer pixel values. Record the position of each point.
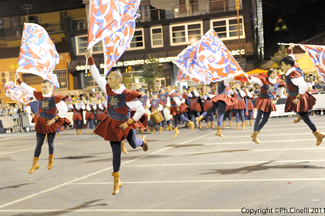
(188, 10)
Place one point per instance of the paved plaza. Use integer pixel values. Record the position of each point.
(197, 173)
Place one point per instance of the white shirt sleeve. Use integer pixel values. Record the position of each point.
(88, 107)
(249, 94)
(100, 106)
(160, 107)
(98, 78)
(70, 106)
(148, 103)
(94, 107)
(189, 94)
(83, 106)
(205, 97)
(196, 94)
(62, 109)
(256, 80)
(183, 100)
(242, 93)
(231, 92)
(279, 91)
(168, 102)
(28, 89)
(137, 106)
(28, 109)
(228, 79)
(177, 101)
(300, 82)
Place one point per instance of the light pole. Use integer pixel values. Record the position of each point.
(237, 8)
(27, 7)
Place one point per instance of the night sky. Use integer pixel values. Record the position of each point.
(304, 19)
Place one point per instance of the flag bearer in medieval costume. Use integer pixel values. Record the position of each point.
(271, 91)
(176, 109)
(195, 108)
(298, 99)
(52, 111)
(119, 124)
(240, 107)
(227, 116)
(155, 103)
(207, 104)
(186, 100)
(166, 113)
(250, 108)
(100, 111)
(77, 117)
(145, 101)
(220, 102)
(90, 117)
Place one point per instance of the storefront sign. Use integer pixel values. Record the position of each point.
(145, 61)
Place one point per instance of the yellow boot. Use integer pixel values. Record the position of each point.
(58, 135)
(298, 119)
(255, 139)
(77, 133)
(161, 129)
(50, 165)
(319, 137)
(148, 129)
(224, 124)
(238, 126)
(212, 125)
(167, 128)
(243, 125)
(35, 165)
(246, 122)
(80, 132)
(170, 127)
(198, 119)
(191, 124)
(250, 123)
(153, 130)
(123, 148)
(145, 145)
(88, 131)
(219, 132)
(176, 131)
(230, 123)
(208, 125)
(200, 125)
(117, 182)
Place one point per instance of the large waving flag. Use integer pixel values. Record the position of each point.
(184, 77)
(116, 44)
(108, 16)
(16, 93)
(37, 54)
(317, 55)
(208, 60)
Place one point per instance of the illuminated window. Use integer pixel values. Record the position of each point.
(137, 40)
(157, 37)
(81, 46)
(186, 33)
(227, 29)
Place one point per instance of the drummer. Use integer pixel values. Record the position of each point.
(166, 112)
(145, 101)
(155, 103)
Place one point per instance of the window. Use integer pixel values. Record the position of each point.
(188, 6)
(186, 33)
(137, 40)
(81, 46)
(227, 29)
(62, 79)
(156, 37)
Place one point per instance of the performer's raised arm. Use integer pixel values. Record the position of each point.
(26, 87)
(95, 72)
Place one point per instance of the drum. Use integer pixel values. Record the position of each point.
(156, 116)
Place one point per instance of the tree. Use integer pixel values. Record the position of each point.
(278, 56)
(151, 70)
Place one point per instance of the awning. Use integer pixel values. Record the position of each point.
(255, 72)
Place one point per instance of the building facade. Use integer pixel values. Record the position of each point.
(167, 27)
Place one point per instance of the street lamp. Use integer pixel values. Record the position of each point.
(237, 8)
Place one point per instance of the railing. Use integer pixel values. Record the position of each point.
(186, 10)
(78, 24)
